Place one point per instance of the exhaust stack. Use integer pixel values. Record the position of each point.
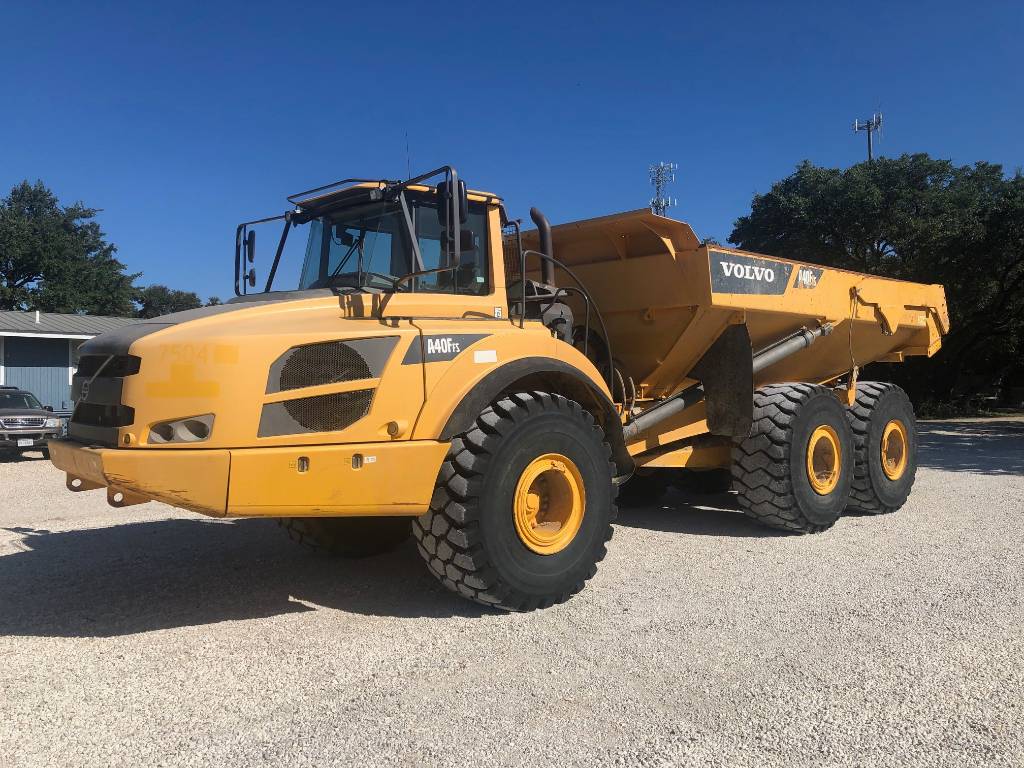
(547, 269)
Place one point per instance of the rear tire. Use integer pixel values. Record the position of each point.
(795, 426)
(474, 538)
(882, 419)
(348, 536)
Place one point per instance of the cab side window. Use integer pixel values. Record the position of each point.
(472, 275)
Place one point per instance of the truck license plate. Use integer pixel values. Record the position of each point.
(24, 443)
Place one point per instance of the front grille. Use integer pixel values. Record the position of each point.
(19, 422)
(96, 388)
(323, 413)
(103, 415)
(119, 365)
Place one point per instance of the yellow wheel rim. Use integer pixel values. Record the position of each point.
(894, 449)
(549, 503)
(824, 460)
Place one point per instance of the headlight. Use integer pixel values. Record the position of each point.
(193, 429)
(52, 423)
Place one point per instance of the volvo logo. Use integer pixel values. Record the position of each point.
(739, 273)
(748, 272)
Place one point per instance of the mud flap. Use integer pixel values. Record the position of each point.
(726, 371)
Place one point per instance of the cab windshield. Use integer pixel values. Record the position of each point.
(368, 246)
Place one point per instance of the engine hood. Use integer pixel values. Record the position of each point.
(299, 367)
(118, 341)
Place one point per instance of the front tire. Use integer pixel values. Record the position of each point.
(885, 446)
(523, 505)
(794, 470)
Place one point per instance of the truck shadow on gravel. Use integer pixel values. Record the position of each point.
(713, 514)
(141, 577)
(982, 447)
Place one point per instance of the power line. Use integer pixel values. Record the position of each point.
(874, 123)
(661, 175)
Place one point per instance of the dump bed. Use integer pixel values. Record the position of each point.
(665, 298)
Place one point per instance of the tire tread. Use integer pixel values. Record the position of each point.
(862, 494)
(760, 462)
(448, 535)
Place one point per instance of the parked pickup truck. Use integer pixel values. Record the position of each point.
(25, 424)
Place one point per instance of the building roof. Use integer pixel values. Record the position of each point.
(53, 324)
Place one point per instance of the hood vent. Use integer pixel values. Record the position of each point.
(330, 362)
(323, 413)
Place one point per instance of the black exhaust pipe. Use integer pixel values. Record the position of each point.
(547, 269)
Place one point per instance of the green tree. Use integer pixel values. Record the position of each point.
(56, 258)
(914, 218)
(156, 300)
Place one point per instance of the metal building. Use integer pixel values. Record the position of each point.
(39, 351)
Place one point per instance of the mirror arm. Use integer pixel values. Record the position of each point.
(416, 255)
(280, 250)
(455, 233)
(239, 231)
(238, 254)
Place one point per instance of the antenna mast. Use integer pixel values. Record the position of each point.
(661, 175)
(874, 123)
(408, 157)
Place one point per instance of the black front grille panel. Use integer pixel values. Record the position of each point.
(119, 365)
(322, 413)
(103, 415)
(96, 389)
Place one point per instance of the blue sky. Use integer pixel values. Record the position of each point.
(181, 120)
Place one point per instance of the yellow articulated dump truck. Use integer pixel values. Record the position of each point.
(437, 371)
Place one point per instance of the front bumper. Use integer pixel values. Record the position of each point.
(330, 480)
(23, 440)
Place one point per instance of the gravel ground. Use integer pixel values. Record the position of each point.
(149, 636)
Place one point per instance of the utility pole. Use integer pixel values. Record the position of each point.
(874, 123)
(661, 175)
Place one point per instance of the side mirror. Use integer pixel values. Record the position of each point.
(444, 202)
(48, 408)
(467, 243)
(250, 247)
(252, 277)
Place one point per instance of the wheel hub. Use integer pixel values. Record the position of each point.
(549, 503)
(894, 449)
(824, 460)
